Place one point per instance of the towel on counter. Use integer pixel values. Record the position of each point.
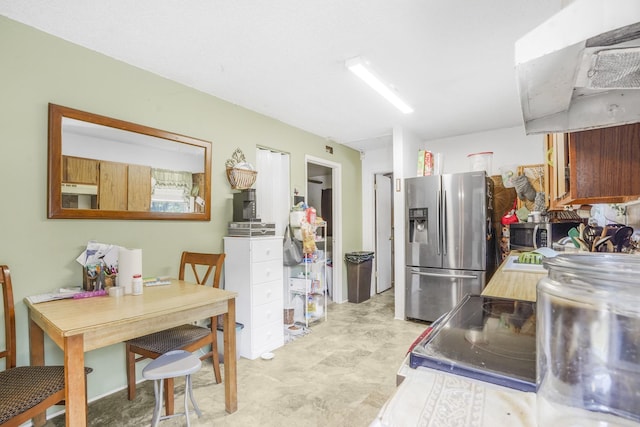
(431, 398)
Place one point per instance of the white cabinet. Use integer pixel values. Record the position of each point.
(307, 283)
(253, 269)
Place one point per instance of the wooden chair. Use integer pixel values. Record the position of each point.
(25, 391)
(185, 337)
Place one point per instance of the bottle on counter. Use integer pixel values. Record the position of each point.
(136, 284)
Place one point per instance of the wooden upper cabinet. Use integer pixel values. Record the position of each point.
(139, 188)
(599, 166)
(112, 191)
(77, 170)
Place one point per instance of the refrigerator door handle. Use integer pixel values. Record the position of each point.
(454, 276)
(438, 220)
(444, 224)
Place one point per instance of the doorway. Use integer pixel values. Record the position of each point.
(384, 258)
(323, 193)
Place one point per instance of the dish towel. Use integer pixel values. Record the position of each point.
(430, 398)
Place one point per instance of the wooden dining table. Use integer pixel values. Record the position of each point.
(85, 324)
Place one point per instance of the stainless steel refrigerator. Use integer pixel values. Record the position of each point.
(450, 244)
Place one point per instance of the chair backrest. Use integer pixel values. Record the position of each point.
(9, 352)
(213, 262)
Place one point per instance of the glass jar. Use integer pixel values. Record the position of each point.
(588, 341)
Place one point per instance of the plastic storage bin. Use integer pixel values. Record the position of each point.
(359, 266)
(239, 328)
(481, 161)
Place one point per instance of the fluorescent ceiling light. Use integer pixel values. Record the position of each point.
(360, 68)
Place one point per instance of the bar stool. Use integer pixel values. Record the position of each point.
(170, 365)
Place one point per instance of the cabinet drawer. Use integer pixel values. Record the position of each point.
(267, 292)
(266, 271)
(267, 313)
(267, 338)
(266, 249)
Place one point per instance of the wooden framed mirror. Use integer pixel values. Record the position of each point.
(105, 168)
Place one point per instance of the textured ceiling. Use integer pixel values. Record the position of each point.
(452, 60)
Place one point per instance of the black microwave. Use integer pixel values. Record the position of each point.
(529, 236)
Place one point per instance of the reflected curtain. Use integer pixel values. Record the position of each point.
(164, 178)
(272, 188)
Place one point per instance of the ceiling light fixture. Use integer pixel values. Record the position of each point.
(360, 68)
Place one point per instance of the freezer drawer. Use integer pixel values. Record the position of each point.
(431, 292)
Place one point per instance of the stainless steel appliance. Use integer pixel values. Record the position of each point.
(489, 339)
(529, 236)
(450, 241)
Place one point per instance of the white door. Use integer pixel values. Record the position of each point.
(384, 233)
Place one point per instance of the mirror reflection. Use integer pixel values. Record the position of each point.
(107, 168)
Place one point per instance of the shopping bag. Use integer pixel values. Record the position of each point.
(292, 249)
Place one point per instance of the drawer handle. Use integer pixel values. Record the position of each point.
(268, 251)
(268, 272)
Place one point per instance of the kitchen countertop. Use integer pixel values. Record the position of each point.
(513, 284)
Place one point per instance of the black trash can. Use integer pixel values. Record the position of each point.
(359, 266)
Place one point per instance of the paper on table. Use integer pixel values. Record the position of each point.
(96, 252)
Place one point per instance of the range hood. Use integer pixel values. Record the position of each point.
(580, 69)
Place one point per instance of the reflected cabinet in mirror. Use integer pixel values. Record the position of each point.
(101, 167)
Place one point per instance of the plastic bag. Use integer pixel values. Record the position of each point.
(291, 249)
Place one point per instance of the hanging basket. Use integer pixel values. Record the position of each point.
(241, 179)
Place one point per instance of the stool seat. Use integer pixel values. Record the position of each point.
(176, 363)
(172, 364)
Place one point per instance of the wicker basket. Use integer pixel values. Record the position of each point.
(241, 179)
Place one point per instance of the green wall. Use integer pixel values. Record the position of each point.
(37, 69)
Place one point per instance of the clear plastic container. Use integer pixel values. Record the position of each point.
(588, 334)
(481, 162)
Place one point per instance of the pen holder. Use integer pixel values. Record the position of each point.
(93, 277)
(110, 280)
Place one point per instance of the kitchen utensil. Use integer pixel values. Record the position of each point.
(590, 234)
(597, 245)
(621, 238)
(581, 228)
(582, 245)
(574, 234)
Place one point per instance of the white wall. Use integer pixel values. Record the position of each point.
(509, 146)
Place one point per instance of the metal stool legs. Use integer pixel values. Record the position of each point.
(170, 365)
(158, 389)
